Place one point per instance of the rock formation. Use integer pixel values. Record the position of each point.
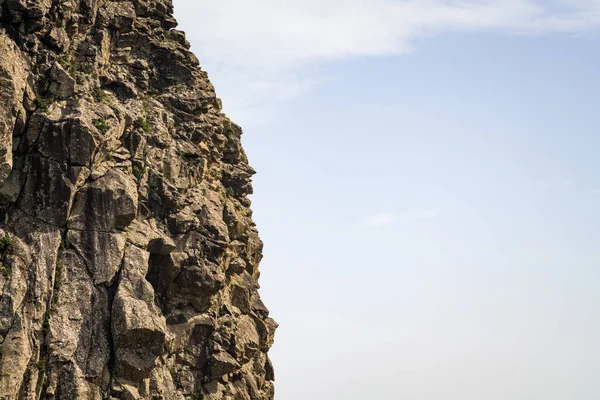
(128, 256)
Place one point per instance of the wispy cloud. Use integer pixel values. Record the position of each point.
(384, 219)
(561, 181)
(380, 219)
(259, 51)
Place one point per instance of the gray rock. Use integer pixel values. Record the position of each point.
(62, 85)
(31, 261)
(58, 38)
(128, 255)
(78, 334)
(102, 253)
(138, 327)
(162, 246)
(105, 205)
(14, 10)
(13, 75)
(49, 189)
(222, 364)
(120, 15)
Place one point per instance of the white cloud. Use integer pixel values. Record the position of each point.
(261, 50)
(380, 219)
(384, 219)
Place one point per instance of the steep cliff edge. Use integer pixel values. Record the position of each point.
(128, 256)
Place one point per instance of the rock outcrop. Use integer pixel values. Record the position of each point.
(128, 255)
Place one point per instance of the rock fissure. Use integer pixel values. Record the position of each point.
(135, 265)
(34, 217)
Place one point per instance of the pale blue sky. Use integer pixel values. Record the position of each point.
(427, 190)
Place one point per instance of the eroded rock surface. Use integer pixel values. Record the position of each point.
(128, 255)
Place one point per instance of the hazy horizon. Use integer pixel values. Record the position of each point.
(427, 190)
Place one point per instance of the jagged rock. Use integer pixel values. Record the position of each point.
(13, 82)
(138, 328)
(13, 11)
(247, 340)
(79, 348)
(49, 189)
(102, 253)
(237, 266)
(13, 280)
(57, 38)
(241, 288)
(222, 364)
(62, 85)
(269, 371)
(10, 190)
(106, 204)
(141, 233)
(66, 136)
(128, 255)
(120, 15)
(36, 243)
(162, 246)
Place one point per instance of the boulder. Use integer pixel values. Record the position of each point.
(108, 204)
(102, 253)
(57, 38)
(138, 328)
(62, 85)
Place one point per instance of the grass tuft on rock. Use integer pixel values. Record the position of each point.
(99, 95)
(101, 125)
(6, 244)
(144, 124)
(43, 103)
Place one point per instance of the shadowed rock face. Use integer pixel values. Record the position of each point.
(128, 255)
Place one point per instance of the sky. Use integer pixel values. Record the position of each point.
(427, 190)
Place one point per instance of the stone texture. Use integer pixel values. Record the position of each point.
(13, 76)
(101, 252)
(78, 337)
(62, 85)
(128, 254)
(138, 328)
(108, 204)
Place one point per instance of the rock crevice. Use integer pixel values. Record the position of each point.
(128, 255)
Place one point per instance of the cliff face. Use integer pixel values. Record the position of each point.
(128, 256)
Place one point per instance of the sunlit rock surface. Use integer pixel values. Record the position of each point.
(128, 255)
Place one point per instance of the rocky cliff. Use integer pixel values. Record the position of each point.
(128, 256)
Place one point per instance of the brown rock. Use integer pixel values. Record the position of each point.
(128, 256)
(107, 204)
(13, 75)
(62, 85)
(58, 38)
